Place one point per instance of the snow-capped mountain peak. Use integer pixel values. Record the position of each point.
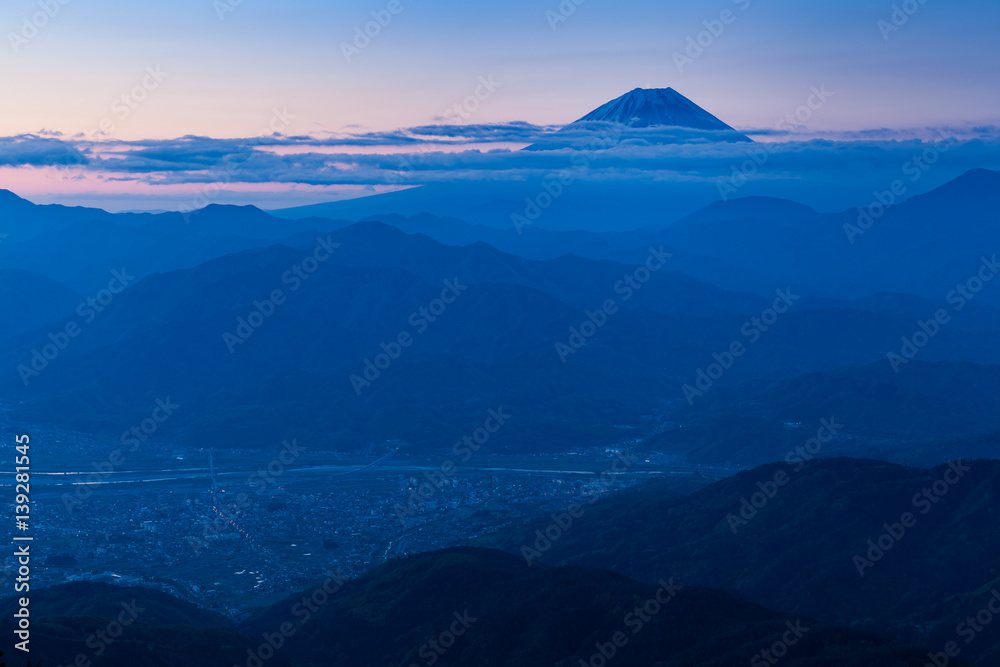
(648, 107)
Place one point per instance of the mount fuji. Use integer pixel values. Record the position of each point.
(641, 117)
(648, 107)
(646, 115)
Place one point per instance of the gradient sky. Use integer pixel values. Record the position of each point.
(226, 76)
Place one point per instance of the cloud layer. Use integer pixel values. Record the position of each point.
(449, 153)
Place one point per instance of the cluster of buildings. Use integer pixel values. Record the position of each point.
(225, 544)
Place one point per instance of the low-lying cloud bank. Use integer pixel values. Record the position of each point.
(450, 153)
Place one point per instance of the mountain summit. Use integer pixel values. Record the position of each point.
(648, 115)
(649, 107)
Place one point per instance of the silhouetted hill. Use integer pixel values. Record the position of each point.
(543, 616)
(798, 549)
(114, 626)
(23, 220)
(579, 282)
(460, 606)
(925, 245)
(297, 365)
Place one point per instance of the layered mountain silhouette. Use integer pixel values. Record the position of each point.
(460, 606)
(924, 245)
(912, 249)
(809, 543)
(159, 630)
(195, 278)
(496, 344)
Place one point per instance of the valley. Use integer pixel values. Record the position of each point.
(234, 526)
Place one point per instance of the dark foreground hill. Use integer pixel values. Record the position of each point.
(111, 626)
(460, 606)
(860, 543)
(549, 616)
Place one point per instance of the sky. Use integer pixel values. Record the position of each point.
(98, 76)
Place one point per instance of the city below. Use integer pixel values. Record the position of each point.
(234, 528)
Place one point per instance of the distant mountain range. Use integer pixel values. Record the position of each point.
(924, 246)
(194, 279)
(496, 344)
(745, 244)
